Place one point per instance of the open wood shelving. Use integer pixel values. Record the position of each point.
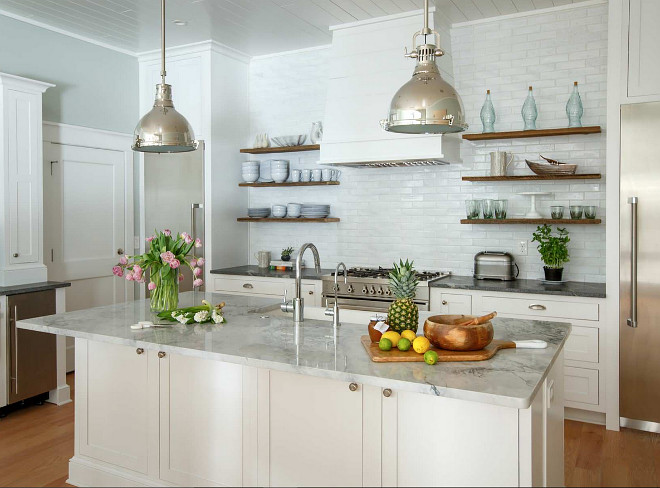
(286, 149)
(590, 176)
(290, 183)
(531, 221)
(519, 134)
(298, 220)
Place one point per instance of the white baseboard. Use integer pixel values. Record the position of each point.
(85, 472)
(60, 395)
(584, 416)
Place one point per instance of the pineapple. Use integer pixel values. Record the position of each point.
(403, 313)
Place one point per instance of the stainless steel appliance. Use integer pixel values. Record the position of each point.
(174, 198)
(32, 368)
(495, 265)
(639, 322)
(368, 289)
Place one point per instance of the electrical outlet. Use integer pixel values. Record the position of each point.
(522, 248)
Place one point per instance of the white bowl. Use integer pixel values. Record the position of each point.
(250, 178)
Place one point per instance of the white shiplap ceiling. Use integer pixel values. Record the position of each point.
(254, 27)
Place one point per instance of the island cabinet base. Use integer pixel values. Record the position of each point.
(150, 419)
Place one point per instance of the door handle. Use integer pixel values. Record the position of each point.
(632, 321)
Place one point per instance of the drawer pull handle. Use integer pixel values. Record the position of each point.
(161, 355)
(444, 302)
(387, 393)
(353, 386)
(536, 306)
(249, 286)
(139, 351)
(311, 292)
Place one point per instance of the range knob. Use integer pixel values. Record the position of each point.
(349, 289)
(372, 291)
(364, 290)
(388, 292)
(379, 291)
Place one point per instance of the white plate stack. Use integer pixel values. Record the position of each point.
(314, 211)
(250, 171)
(258, 213)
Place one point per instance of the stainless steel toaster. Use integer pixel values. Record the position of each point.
(495, 265)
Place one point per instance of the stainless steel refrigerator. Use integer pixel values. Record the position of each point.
(639, 322)
(174, 198)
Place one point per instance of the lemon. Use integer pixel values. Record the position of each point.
(385, 344)
(392, 336)
(404, 344)
(408, 334)
(421, 345)
(430, 357)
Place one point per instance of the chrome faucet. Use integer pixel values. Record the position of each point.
(297, 305)
(334, 311)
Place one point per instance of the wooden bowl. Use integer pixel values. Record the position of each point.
(443, 332)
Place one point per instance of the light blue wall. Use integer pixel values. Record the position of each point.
(96, 87)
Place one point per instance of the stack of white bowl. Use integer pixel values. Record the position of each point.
(279, 211)
(279, 170)
(250, 171)
(315, 211)
(293, 210)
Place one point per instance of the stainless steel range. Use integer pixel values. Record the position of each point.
(368, 289)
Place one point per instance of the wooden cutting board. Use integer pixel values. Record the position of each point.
(396, 356)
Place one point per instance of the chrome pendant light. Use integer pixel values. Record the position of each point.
(163, 129)
(427, 104)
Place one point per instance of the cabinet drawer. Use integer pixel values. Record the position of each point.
(247, 286)
(532, 307)
(582, 344)
(581, 385)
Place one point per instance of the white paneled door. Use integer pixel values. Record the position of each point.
(84, 221)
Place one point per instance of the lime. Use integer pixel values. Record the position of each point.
(392, 336)
(430, 357)
(385, 344)
(404, 344)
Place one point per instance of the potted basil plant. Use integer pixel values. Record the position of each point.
(286, 253)
(553, 249)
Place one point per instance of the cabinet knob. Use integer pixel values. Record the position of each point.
(387, 393)
(249, 286)
(15, 254)
(536, 306)
(444, 302)
(353, 386)
(120, 251)
(311, 292)
(139, 351)
(161, 355)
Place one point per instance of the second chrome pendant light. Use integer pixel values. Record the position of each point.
(163, 129)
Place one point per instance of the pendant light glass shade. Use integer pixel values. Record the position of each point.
(163, 129)
(426, 104)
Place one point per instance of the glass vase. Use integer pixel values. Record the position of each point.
(488, 114)
(574, 109)
(529, 111)
(166, 295)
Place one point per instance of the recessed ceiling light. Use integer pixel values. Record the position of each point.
(180, 22)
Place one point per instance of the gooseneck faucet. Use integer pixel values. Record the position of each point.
(334, 311)
(297, 305)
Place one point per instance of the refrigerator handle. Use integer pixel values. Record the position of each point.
(12, 319)
(632, 321)
(193, 222)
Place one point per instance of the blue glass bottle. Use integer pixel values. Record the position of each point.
(529, 111)
(574, 109)
(488, 114)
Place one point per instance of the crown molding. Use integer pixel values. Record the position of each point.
(193, 48)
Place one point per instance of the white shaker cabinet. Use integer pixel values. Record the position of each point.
(644, 49)
(450, 303)
(257, 286)
(21, 180)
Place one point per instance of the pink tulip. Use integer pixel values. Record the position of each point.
(149, 239)
(117, 271)
(130, 277)
(193, 263)
(152, 286)
(200, 262)
(198, 242)
(142, 279)
(167, 232)
(137, 269)
(180, 278)
(188, 239)
(197, 272)
(123, 260)
(167, 257)
(175, 263)
(198, 282)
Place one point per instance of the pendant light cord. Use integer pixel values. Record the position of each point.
(426, 30)
(162, 40)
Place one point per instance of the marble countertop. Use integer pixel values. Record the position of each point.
(32, 287)
(256, 334)
(308, 273)
(570, 288)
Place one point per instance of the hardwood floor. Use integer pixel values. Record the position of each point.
(37, 442)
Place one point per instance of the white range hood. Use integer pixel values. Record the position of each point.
(367, 67)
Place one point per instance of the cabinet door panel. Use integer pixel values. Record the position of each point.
(112, 404)
(644, 44)
(315, 432)
(200, 422)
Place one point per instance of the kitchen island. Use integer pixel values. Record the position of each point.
(257, 401)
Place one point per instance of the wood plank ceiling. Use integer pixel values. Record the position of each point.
(251, 26)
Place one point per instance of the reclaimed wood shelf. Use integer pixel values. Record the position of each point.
(518, 134)
(290, 183)
(531, 221)
(298, 220)
(590, 176)
(286, 149)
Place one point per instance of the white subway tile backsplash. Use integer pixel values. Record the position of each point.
(414, 213)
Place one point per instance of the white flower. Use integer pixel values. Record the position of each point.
(217, 318)
(174, 315)
(181, 318)
(201, 316)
